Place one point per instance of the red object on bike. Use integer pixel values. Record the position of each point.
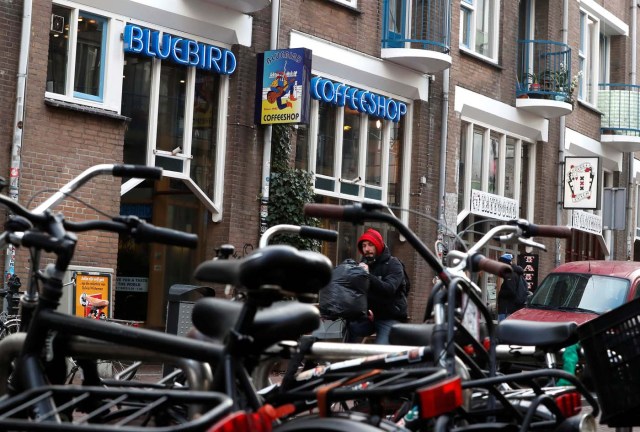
(569, 404)
(440, 398)
(260, 421)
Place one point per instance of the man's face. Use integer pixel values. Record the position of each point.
(368, 249)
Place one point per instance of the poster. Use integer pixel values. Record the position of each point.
(92, 294)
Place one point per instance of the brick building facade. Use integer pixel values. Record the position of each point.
(498, 148)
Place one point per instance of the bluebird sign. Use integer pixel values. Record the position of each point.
(187, 52)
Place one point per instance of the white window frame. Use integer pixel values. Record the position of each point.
(113, 61)
(492, 23)
(468, 130)
(350, 3)
(405, 162)
(214, 203)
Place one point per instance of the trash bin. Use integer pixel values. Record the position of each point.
(180, 305)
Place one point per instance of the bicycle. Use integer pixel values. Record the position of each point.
(495, 403)
(35, 402)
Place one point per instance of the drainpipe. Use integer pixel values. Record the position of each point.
(443, 149)
(266, 145)
(266, 138)
(561, 141)
(16, 145)
(630, 186)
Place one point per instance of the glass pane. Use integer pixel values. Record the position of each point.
(396, 147)
(58, 50)
(476, 160)
(525, 179)
(493, 162)
(89, 52)
(483, 26)
(173, 80)
(136, 88)
(350, 145)
(373, 170)
(509, 168)
(465, 26)
(204, 131)
(326, 140)
(461, 166)
(395, 16)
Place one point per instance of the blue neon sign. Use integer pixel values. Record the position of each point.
(363, 101)
(183, 51)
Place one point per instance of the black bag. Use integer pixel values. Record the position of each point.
(346, 295)
(522, 291)
(407, 281)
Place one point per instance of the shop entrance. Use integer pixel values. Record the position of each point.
(146, 271)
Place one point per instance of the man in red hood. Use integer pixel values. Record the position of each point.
(387, 297)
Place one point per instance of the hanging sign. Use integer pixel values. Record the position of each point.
(282, 89)
(581, 183)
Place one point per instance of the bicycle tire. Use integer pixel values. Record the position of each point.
(10, 327)
(353, 422)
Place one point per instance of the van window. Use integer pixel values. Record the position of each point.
(574, 291)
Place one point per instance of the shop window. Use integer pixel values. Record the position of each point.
(494, 162)
(369, 149)
(175, 115)
(77, 60)
(479, 27)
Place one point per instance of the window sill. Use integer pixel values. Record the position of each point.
(84, 109)
(480, 57)
(346, 6)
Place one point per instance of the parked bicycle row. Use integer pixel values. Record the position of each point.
(436, 375)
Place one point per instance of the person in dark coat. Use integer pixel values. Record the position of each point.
(507, 301)
(387, 298)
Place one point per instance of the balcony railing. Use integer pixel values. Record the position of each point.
(417, 25)
(620, 106)
(544, 70)
(620, 121)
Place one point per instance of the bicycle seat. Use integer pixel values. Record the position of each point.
(411, 334)
(281, 265)
(283, 321)
(548, 336)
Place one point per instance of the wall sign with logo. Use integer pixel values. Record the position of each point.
(282, 90)
(581, 182)
(363, 101)
(186, 52)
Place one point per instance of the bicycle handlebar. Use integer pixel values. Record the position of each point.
(301, 230)
(117, 170)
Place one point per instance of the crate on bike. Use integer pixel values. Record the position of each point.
(611, 345)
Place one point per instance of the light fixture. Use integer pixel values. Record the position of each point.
(347, 128)
(378, 124)
(181, 81)
(80, 18)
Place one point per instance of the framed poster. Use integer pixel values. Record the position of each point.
(581, 183)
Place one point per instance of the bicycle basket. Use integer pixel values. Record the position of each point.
(611, 344)
(90, 409)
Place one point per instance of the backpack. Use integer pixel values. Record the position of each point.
(521, 291)
(407, 281)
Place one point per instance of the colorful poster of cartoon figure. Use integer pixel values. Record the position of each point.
(92, 293)
(283, 86)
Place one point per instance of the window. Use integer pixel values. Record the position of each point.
(354, 156)
(479, 27)
(588, 55)
(77, 60)
(497, 163)
(174, 113)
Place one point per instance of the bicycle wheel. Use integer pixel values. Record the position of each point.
(354, 422)
(10, 327)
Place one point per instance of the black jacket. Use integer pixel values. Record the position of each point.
(507, 303)
(387, 298)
